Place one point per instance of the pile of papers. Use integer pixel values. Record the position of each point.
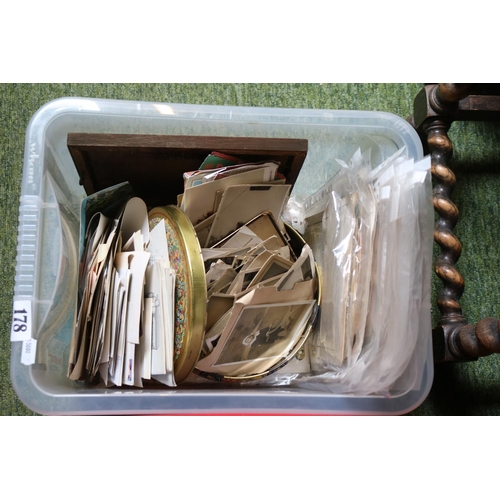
(260, 298)
(125, 323)
(260, 294)
(218, 200)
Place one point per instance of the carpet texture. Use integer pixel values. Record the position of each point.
(458, 389)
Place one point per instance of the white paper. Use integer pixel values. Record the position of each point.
(145, 341)
(116, 367)
(129, 364)
(135, 218)
(136, 263)
(21, 321)
(28, 354)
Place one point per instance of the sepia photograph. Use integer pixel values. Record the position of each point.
(264, 331)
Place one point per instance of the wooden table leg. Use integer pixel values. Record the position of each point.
(435, 109)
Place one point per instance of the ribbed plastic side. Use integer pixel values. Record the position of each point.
(27, 242)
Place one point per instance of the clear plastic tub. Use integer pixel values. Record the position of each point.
(48, 246)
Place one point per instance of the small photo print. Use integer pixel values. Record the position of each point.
(264, 331)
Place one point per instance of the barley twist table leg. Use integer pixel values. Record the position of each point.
(436, 107)
(441, 150)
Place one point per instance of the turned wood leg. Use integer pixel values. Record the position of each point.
(451, 317)
(441, 150)
(436, 107)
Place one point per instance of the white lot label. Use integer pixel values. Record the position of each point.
(28, 353)
(21, 321)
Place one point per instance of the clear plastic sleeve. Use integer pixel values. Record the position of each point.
(295, 213)
(374, 324)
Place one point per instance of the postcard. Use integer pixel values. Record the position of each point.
(220, 173)
(198, 201)
(244, 202)
(196, 177)
(218, 160)
(129, 365)
(300, 363)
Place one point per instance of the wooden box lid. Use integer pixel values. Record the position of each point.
(154, 164)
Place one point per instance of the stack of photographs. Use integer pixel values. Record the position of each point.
(260, 294)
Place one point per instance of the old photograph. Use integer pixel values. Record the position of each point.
(264, 331)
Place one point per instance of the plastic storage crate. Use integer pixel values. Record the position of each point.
(46, 275)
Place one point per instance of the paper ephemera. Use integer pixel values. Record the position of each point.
(251, 269)
(256, 339)
(125, 324)
(259, 302)
(198, 202)
(160, 288)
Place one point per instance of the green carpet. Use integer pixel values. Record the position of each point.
(458, 389)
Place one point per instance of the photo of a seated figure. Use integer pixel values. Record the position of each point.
(262, 332)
